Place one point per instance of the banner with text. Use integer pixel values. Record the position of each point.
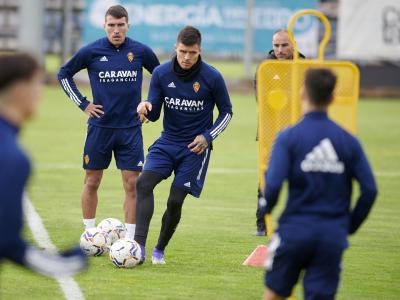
(222, 23)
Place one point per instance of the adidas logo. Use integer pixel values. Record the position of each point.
(276, 77)
(322, 158)
(172, 85)
(187, 184)
(140, 164)
(103, 58)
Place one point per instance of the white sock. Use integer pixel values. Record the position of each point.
(130, 230)
(89, 223)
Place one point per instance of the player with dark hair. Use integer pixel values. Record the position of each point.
(115, 67)
(319, 159)
(20, 89)
(188, 89)
(282, 49)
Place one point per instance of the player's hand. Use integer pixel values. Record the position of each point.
(143, 119)
(199, 145)
(94, 110)
(142, 110)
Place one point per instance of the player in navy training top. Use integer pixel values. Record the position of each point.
(188, 89)
(115, 67)
(20, 89)
(320, 160)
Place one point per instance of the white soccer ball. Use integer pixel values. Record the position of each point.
(125, 253)
(94, 242)
(114, 229)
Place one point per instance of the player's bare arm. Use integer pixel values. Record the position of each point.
(94, 110)
(199, 145)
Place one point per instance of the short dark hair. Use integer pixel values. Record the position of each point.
(117, 11)
(16, 67)
(189, 36)
(319, 84)
(281, 30)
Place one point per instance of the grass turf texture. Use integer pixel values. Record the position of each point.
(216, 232)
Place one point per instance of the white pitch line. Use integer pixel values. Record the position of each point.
(387, 174)
(68, 285)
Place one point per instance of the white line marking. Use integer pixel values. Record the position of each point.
(69, 166)
(68, 285)
(387, 174)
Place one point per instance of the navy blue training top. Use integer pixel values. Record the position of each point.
(188, 105)
(320, 160)
(14, 173)
(115, 78)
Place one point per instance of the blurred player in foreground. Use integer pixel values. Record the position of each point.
(115, 66)
(20, 89)
(320, 160)
(188, 89)
(282, 49)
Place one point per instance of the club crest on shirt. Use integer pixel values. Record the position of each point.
(86, 159)
(196, 86)
(130, 56)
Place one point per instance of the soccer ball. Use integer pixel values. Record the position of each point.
(113, 228)
(94, 242)
(125, 253)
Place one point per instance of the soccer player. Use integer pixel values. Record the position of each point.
(20, 89)
(115, 66)
(282, 49)
(319, 159)
(188, 89)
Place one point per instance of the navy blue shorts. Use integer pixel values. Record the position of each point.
(190, 169)
(290, 251)
(126, 143)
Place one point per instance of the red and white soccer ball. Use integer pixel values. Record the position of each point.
(125, 253)
(113, 228)
(94, 242)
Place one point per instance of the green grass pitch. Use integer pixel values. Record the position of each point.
(216, 232)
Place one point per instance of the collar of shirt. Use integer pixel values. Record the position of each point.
(125, 42)
(186, 75)
(316, 114)
(11, 127)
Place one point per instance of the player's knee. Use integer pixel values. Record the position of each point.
(174, 204)
(143, 186)
(175, 199)
(130, 183)
(271, 295)
(92, 181)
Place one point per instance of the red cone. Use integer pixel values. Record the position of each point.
(257, 257)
